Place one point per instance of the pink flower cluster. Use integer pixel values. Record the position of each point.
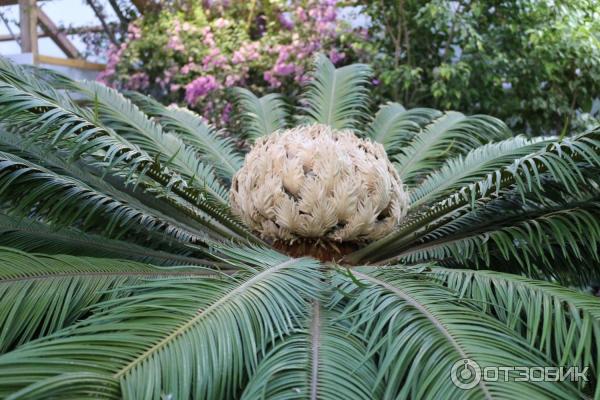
(319, 26)
(195, 60)
(189, 67)
(134, 32)
(214, 59)
(200, 87)
(114, 55)
(284, 65)
(113, 58)
(139, 81)
(175, 42)
(249, 51)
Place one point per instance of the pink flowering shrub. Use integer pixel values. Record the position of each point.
(192, 56)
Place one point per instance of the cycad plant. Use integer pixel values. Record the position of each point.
(346, 257)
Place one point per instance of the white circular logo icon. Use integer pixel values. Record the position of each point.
(465, 374)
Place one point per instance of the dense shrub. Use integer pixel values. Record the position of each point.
(190, 55)
(534, 63)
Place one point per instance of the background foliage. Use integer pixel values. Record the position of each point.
(189, 53)
(533, 63)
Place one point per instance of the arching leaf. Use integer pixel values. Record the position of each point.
(33, 236)
(394, 126)
(194, 131)
(321, 362)
(261, 116)
(561, 162)
(474, 166)
(560, 322)
(421, 330)
(451, 134)
(42, 294)
(336, 97)
(126, 119)
(183, 338)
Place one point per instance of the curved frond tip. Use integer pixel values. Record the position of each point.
(336, 97)
(41, 294)
(562, 323)
(261, 116)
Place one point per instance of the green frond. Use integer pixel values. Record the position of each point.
(562, 323)
(205, 338)
(561, 162)
(195, 132)
(260, 116)
(41, 294)
(35, 237)
(458, 172)
(30, 78)
(126, 119)
(55, 131)
(394, 126)
(451, 134)
(336, 97)
(49, 120)
(421, 329)
(321, 362)
(32, 189)
(535, 240)
(86, 171)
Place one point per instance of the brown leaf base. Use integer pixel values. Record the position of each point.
(325, 251)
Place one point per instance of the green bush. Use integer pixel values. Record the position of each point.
(535, 64)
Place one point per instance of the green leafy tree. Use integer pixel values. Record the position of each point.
(126, 274)
(532, 63)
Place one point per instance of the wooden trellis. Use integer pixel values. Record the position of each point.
(32, 17)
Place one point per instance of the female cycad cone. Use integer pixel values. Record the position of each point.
(320, 184)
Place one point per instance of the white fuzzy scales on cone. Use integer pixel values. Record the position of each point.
(318, 183)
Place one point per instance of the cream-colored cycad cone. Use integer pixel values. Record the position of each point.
(312, 182)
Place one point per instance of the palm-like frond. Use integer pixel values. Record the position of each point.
(86, 174)
(50, 120)
(194, 132)
(336, 97)
(394, 126)
(126, 119)
(321, 362)
(560, 322)
(64, 201)
(41, 294)
(419, 330)
(451, 134)
(260, 116)
(560, 161)
(82, 132)
(217, 325)
(533, 238)
(36, 237)
(458, 172)
(33, 79)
